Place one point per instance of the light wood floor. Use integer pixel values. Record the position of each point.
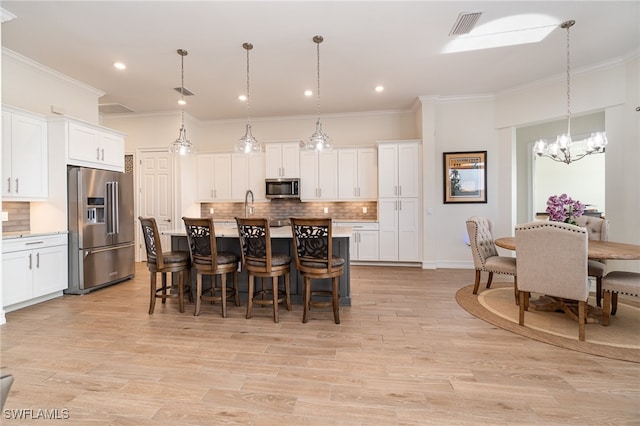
(405, 353)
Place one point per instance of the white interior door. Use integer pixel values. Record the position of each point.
(155, 194)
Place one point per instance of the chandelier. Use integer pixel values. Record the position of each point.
(182, 145)
(248, 144)
(319, 141)
(563, 149)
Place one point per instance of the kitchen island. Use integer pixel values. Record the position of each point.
(281, 242)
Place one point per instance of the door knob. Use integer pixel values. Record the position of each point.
(167, 220)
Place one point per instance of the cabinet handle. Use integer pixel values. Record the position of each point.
(17, 185)
(98, 154)
(400, 203)
(37, 260)
(8, 185)
(395, 190)
(319, 192)
(215, 193)
(400, 190)
(30, 261)
(102, 154)
(212, 193)
(358, 191)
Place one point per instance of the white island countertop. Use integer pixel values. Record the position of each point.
(276, 232)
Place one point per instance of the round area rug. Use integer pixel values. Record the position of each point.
(620, 340)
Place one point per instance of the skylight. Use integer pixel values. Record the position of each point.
(507, 31)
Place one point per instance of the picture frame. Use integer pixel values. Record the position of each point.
(465, 177)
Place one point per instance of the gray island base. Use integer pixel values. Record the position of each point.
(281, 242)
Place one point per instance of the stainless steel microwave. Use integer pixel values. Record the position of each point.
(282, 188)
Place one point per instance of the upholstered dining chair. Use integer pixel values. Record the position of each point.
(207, 260)
(259, 261)
(162, 262)
(597, 230)
(485, 254)
(552, 261)
(313, 252)
(615, 282)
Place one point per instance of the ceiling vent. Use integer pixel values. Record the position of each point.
(465, 23)
(114, 109)
(185, 91)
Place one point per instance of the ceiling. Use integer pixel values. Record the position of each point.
(391, 43)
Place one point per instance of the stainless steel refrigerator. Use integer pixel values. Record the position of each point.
(101, 228)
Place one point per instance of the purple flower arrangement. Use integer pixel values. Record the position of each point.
(564, 209)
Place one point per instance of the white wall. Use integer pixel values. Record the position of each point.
(36, 88)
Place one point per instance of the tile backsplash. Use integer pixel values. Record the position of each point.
(283, 209)
(19, 216)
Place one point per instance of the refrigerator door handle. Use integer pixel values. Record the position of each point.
(116, 208)
(109, 208)
(101, 250)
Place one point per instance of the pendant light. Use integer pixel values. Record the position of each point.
(248, 144)
(182, 145)
(319, 141)
(563, 149)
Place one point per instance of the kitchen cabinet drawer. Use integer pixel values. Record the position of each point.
(34, 269)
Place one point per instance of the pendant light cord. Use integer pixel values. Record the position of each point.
(318, 40)
(246, 46)
(568, 82)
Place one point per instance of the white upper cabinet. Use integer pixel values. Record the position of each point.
(87, 144)
(318, 175)
(357, 174)
(399, 169)
(24, 156)
(247, 172)
(213, 173)
(282, 160)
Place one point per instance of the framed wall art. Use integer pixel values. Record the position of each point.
(465, 177)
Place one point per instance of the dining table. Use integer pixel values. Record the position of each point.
(596, 249)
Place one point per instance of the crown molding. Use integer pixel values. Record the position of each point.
(30, 62)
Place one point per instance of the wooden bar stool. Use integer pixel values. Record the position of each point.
(207, 260)
(259, 261)
(313, 250)
(164, 262)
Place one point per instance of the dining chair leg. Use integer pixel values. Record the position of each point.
(336, 299)
(606, 307)
(476, 284)
(490, 280)
(598, 291)
(250, 292)
(164, 288)
(515, 290)
(582, 319)
(198, 293)
(614, 303)
(152, 300)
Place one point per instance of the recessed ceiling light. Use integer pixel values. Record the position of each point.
(308, 93)
(242, 97)
(119, 66)
(379, 88)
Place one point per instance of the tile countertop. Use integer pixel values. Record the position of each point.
(276, 232)
(25, 234)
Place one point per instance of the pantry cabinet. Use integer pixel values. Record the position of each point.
(34, 269)
(213, 173)
(318, 175)
(399, 206)
(24, 156)
(282, 160)
(358, 174)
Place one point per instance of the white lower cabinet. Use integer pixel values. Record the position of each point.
(399, 229)
(34, 269)
(363, 244)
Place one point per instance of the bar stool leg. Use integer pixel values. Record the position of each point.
(336, 299)
(250, 295)
(152, 301)
(274, 286)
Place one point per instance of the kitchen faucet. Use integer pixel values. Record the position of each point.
(246, 205)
